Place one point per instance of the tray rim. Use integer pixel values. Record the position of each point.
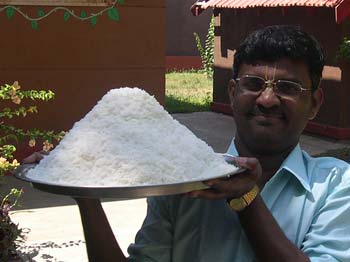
(137, 191)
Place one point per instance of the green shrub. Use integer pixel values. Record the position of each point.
(343, 52)
(207, 52)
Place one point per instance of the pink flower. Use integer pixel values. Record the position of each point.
(16, 99)
(12, 92)
(47, 146)
(15, 163)
(16, 85)
(31, 143)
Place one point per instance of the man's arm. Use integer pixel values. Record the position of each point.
(100, 241)
(153, 241)
(328, 238)
(262, 230)
(266, 237)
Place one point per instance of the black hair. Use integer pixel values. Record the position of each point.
(275, 42)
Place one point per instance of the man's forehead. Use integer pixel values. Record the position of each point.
(284, 67)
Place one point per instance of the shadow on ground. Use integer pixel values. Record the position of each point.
(37, 252)
(32, 198)
(176, 105)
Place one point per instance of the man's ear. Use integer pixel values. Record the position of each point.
(231, 91)
(317, 101)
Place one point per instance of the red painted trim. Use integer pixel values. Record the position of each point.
(342, 11)
(312, 127)
(327, 130)
(221, 108)
(183, 62)
(196, 9)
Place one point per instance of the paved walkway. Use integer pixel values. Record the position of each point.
(55, 229)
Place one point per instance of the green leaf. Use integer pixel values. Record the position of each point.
(93, 20)
(113, 14)
(83, 14)
(120, 2)
(10, 11)
(34, 24)
(41, 12)
(66, 16)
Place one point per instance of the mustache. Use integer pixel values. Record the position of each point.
(263, 111)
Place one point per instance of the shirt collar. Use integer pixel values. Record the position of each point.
(294, 164)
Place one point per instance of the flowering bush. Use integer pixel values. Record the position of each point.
(9, 135)
(10, 234)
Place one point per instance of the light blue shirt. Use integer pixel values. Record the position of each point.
(309, 198)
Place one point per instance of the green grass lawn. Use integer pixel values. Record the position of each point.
(188, 91)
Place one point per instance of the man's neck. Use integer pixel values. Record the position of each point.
(270, 163)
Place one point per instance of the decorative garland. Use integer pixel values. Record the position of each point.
(112, 11)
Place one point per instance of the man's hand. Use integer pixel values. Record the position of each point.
(235, 186)
(266, 237)
(35, 157)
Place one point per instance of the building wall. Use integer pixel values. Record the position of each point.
(79, 62)
(181, 25)
(233, 27)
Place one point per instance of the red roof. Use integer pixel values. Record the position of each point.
(269, 3)
(342, 7)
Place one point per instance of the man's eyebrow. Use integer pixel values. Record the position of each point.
(289, 75)
(291, 78)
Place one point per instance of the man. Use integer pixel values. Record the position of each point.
(286, 206)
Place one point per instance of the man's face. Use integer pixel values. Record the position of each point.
(268, 123)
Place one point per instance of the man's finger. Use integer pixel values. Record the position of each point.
(234, 187)
(250, 163)
(252, 166)
(210, 194)
(33, 158)
(43, 152)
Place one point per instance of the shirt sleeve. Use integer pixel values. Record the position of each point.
(328, 239)
(153, 242)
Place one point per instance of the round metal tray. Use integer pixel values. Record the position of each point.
(117, 192)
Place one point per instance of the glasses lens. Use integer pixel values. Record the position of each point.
(287, 88)
(251, 83)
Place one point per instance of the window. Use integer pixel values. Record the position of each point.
(57, 2)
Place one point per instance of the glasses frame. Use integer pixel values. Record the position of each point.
(272, 84)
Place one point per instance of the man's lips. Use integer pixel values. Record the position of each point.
(267, 115)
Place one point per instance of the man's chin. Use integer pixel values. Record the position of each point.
(268, 130)
(267, 143)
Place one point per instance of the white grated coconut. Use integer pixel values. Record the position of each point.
(128, 139)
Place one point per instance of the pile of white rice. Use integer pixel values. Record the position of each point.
(128, 139)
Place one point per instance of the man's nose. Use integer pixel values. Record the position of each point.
(268, 98)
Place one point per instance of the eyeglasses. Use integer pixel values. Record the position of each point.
(282, 88)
